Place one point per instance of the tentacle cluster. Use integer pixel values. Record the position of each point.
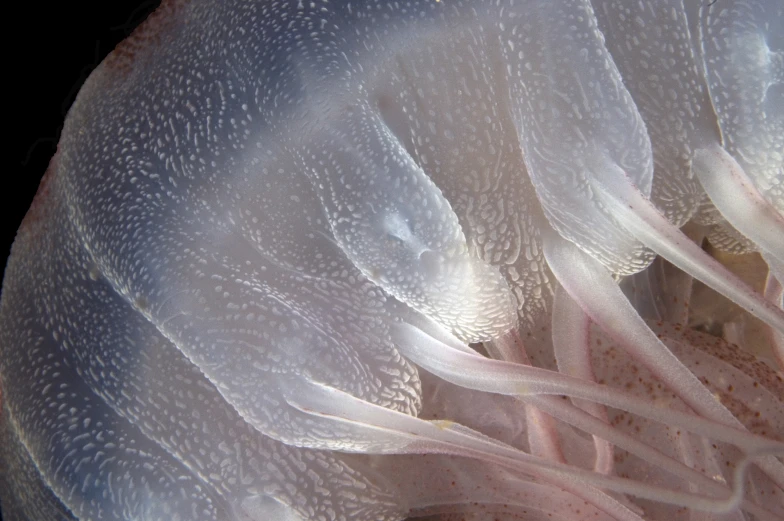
(423, 259)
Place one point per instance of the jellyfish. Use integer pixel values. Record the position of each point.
(688, 125)
(387, 261)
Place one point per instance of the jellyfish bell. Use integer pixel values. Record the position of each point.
(247, 285)
(396, 226)
(695, 134)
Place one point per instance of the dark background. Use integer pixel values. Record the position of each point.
(60, 44)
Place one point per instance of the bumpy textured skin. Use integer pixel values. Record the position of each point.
(247, 197)
(654, 52)
(78, 330)
(744, 60)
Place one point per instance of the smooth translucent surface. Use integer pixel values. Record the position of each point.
(379, 261)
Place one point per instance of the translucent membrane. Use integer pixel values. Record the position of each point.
(572, 352)
(394, 433)
(734, 194)
(638, 215)
(248, 283)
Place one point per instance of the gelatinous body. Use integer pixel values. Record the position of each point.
(379, 261)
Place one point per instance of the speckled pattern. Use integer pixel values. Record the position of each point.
(375, 260)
